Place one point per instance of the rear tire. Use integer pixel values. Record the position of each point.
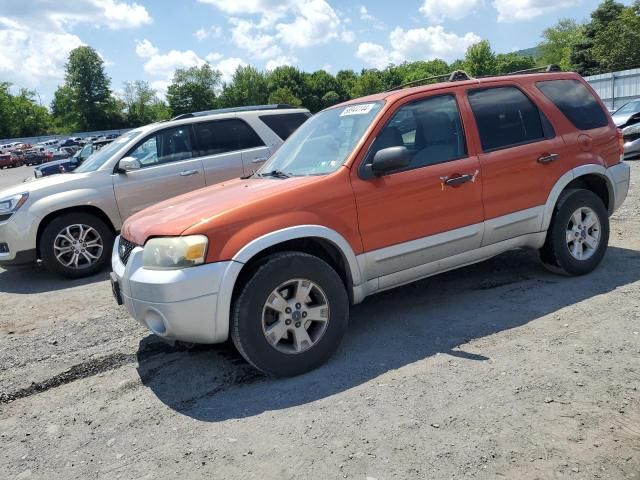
(578, 235)
(87, 256)
(291, 314)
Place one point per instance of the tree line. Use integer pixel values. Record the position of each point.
(85, 102)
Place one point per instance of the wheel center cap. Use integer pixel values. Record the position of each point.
(296, 315)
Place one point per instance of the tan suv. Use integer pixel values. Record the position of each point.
(369, 195)
(69, 221)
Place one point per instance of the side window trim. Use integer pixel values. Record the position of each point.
(548, 129)
(366, 159)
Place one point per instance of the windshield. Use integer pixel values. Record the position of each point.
(323, 142)
(630, 107)
(85, 152)
(99, 158)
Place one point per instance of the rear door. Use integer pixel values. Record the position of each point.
(520, 157)
(226, 146)
(168, 168)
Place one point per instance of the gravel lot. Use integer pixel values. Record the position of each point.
(499, 370)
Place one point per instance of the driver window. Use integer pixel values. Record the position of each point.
(430, 129)
(167, 146)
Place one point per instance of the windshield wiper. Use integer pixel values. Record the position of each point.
(275, 174)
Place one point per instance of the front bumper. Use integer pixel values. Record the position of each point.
(19, 234)
(188, 304)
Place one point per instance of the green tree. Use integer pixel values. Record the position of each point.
(558, 42)
(330, 98)
(284, 95)
(512, 62)
(89, 100)
(480, 59)
(347, 81)
(317, 85)
(29, 118)
(5, 110)
(247, 87)
(193, 89)
(617, 46)
(368, 83)
(142, 105)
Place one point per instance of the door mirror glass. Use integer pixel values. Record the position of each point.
(129, 164)
(390, 159)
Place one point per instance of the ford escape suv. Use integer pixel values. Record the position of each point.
(369, 195)
(69, 221)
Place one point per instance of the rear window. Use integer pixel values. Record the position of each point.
(284, 124)
(576, 102)
(222, 136)
(506, 117)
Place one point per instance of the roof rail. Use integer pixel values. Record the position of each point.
(549, 68)
(248, 108)
(455, 76)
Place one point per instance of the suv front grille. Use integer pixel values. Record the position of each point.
(124, 249)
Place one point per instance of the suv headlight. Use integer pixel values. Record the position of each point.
(168, 253)
(9, 205)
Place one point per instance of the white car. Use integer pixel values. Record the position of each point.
(69, 221)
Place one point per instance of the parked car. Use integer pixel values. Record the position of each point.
(9, 160)
(34, 156)
(631, 135)
(138, 169)
(71, 163)
(369, 195)
(628, 114)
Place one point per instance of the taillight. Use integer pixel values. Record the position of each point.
(620, 142)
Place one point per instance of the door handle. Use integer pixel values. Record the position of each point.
(546, 159)
(259, 160)
(457, 180)
(188, 173)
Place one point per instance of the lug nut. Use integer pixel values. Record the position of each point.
(304, 314)
(298, 306)
(298, 324)
(287, 310)
(287, 322)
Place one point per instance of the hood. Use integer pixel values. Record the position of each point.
(41, 187)
(172, 217)
(53, 163)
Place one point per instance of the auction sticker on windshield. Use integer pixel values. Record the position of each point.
(361, 109)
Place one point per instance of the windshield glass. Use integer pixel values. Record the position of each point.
(630, 107)
(323, 142)
(99, 158)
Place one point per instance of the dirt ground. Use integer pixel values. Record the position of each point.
(499, 370)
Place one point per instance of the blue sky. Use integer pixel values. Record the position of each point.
(148, 39)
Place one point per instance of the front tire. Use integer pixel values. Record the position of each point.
(578, 235)
(291, 314)
(76, 245)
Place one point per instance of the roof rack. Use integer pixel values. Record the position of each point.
(549, 68)
(455, 76)
(249, 108)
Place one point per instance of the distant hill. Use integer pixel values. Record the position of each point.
(529, 52)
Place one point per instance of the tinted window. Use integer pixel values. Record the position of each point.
(505, 117)
(225, 136)
(170, 145)
(430, 129)
(576, 102)
(285, 124)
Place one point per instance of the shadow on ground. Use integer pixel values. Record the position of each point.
(37, 279)
(388, 331)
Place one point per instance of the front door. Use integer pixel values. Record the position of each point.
(167, 169)
(433, 208)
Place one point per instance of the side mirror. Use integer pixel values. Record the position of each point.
(128, 164)
(390, 159)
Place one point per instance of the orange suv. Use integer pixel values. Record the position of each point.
(371, 194)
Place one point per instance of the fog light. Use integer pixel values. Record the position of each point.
(4, 248)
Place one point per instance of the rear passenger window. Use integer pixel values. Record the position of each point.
(169, 145)
(576, 102)
(506, 117)
(223, 136)
(430, 129)
(285, 124)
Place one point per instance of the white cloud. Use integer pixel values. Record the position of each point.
(35, 40)
(214, 57)
(249, 36)
(365, 16)
(145, 49)
(518, 10)
(228, 67)
(416, 44)
(315, 23)
(212, 32)
(161, 86)
(280, 61)
(439, 10)
(165, 64)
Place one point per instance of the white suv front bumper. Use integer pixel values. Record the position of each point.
(190, 304)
